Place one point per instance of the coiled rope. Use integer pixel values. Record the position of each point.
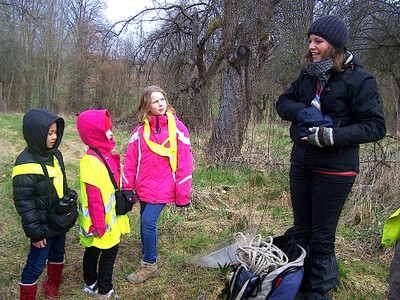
(259, 256)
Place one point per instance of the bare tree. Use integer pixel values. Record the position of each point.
(3, 102)
(84, 28)
(194, 39)
(17, 35)
(184, 54)
(222, 61)
(32, 58)
(51, 52)
(247, 45)
(376, 32)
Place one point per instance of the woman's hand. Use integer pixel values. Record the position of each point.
(320, 136)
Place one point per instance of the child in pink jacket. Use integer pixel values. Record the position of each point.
(100, 228)
(158, 168)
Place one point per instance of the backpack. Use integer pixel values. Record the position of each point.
(280, 284)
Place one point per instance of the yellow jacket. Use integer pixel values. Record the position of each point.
(391, 229)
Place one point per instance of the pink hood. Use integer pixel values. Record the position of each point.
(91, 126)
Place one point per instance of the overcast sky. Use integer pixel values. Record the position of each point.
(118, 10)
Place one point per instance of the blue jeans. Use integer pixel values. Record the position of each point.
(53, 252)
(149, 214)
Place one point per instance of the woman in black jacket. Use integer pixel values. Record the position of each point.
(333, 106)
(34, 197)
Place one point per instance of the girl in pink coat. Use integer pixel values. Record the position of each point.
(100, 228)
(158, 168)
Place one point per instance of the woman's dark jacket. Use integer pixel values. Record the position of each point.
(32, 195)
(351, 99)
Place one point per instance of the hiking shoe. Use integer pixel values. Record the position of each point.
(110, 295)
(90, 289)
(144, 272)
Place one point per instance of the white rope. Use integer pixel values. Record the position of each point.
(259, 256)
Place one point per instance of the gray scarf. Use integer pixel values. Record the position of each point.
(320, 69)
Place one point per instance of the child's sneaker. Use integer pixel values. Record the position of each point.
(110, 295)
(90, 289)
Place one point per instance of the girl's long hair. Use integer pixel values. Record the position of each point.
(144, 103)
(337, 55)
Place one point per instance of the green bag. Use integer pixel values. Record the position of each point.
(391, 229)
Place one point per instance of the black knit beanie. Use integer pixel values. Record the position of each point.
(332, 29)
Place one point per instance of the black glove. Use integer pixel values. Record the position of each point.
(321, 136)
(131, 196)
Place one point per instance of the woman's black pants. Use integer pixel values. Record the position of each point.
(317, 201)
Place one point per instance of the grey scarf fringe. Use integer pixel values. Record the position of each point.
(320, 69)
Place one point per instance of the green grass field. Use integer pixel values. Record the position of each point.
(251, 194)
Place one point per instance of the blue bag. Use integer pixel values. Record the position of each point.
(280, 284)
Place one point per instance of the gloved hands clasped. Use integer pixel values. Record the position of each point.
(320, 136)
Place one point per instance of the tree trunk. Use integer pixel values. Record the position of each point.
(3, 102)
(227, 138)
(247, 51)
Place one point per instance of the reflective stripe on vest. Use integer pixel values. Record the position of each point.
(107, 209)
(35, 168)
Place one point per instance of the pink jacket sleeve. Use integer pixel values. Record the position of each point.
(96, 210)
(185, 166)
(131, 162)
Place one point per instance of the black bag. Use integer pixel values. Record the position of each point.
(62, 217)
(63, 221)
(123, 203)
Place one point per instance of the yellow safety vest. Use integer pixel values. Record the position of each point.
(55, 172)
(171, 152)
(391, 229)
(94, 172)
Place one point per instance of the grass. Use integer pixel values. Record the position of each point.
(251, 194)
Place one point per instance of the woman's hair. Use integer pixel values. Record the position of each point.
(337, 55)
(143, 107)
